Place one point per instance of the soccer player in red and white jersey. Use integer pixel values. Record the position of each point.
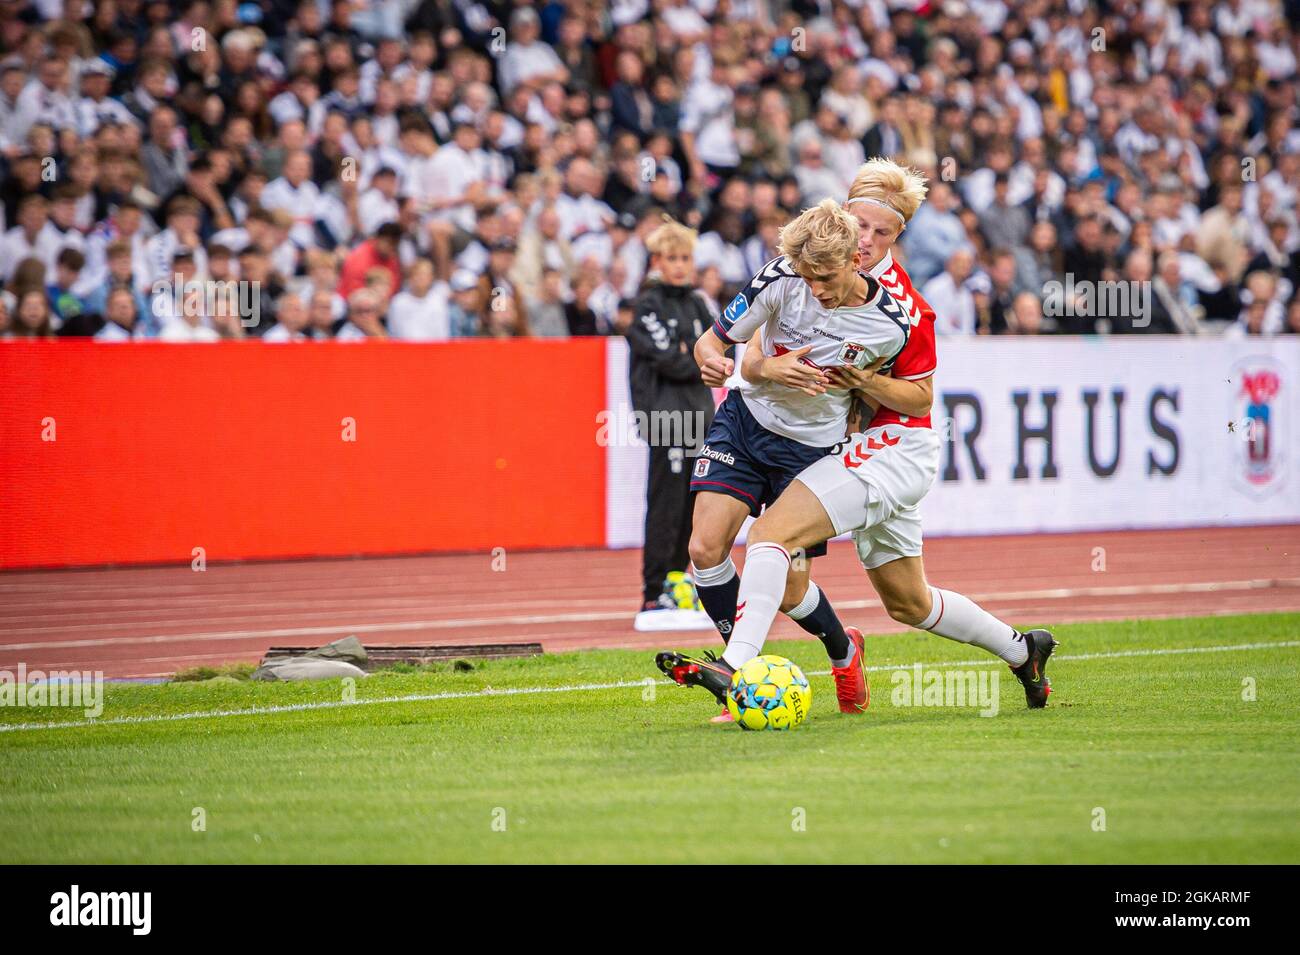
(787, 414)
(875, 487)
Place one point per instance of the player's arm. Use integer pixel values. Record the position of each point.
(786, 369)
(911, 398)
(739, 322)
(752, 361)
(711, 357)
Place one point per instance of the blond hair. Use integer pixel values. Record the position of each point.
(822, 238)
(672, 236)
(902, 188)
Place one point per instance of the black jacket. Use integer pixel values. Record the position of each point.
(663, 374)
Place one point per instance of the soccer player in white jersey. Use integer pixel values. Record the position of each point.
(874, 487)
(817, 312)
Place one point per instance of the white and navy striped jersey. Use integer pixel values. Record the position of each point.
(779, 302)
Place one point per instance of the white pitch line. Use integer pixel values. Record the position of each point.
(587, 687)
(328, 705)
(461, 623)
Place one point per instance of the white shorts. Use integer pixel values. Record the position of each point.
(873, 488)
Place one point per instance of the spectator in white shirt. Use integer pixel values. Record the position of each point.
(1199, 46)
(527, 60)
(290, 320)
(95, 106)
(475, 104)
(281, 250)
(187, 328)
(13, 76)
(421, 53)
(374, 155)
(1263, 312)
(63, 222)
(323, 279)
(720, 248)
(844, 96)
(952, 301)
(45, 100)
(380, 68)
(295, 193)
(378, 204)
(301, 101)
(760, 248)
(320, 316)
(30, 238)
(816, 181)
(685, 21)
(708, 126)
(164, 155)
(1026, 315)
(364, 314)
(384, 122)
(181, 234)
(979, 185)
(1276, 57)
(542, 247)
(180, 303)
(453, 183)
(121, 317)
(421, 311)
(582, 214)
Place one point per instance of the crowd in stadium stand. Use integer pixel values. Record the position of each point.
(433, 169)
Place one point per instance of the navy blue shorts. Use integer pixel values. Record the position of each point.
(744, 460)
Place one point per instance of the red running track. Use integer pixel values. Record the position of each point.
(136, 622)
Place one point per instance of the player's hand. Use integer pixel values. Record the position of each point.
(788, 370)
(716, 370)
(846, 376)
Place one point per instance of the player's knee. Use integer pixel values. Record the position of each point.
(910, 609)
(762, 531)
(706, 552)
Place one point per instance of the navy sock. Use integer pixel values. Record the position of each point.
(718, 589)
(820, 620)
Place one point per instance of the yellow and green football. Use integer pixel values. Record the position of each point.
(769, 693)
(682, 588)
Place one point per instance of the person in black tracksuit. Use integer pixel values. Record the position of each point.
(675, 408)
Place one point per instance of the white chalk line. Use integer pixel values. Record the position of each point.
(463, 623)
(588, 687)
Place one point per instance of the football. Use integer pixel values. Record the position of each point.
(769, 693)
(682, 589)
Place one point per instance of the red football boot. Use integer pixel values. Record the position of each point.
(851, 687)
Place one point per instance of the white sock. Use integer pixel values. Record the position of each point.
(762, 585)
(960, 618)
(807, 605)
(713, 576)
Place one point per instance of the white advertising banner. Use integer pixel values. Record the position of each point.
(1072, 434)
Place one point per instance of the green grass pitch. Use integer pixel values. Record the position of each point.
(1142, 757)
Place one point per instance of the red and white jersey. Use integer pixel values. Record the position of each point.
(918, 359)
